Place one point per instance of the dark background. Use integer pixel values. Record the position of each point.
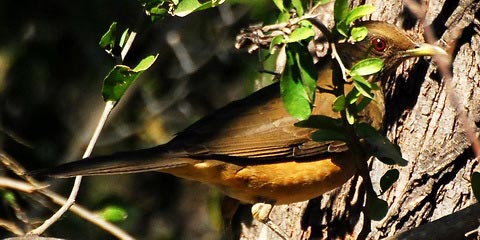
(51, 72)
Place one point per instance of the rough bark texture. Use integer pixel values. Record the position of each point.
(422, 118)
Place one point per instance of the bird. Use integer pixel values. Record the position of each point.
(253, 151)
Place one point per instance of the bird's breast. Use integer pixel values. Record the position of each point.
(284, 182)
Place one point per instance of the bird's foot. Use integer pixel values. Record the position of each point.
(261, 212)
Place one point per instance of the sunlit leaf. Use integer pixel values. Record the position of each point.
(352, 97)
(113, 214)
(145, 63)
(186, 7)
(300, 33)
(297, 4)
(108, 39)
(363, 86)
(340, 10)
(342, 28)
(124, 37)
(358, 33)
(358, 12)
(339, 104)
(306, 67)
(157, 13)
(275, 41)
(294, 96)
(279, 4)
(350, 116)
(284, 16)
(367, 67)
(121, 77)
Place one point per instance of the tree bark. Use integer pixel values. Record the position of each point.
(423, 119)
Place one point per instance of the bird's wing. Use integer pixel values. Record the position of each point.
(257, 126)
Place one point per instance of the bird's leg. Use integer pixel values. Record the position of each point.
(261, 212)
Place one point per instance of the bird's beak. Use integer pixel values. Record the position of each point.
(425, 50)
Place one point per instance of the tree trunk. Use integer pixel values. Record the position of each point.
(423, 119)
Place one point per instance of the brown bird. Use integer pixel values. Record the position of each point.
(252, 151)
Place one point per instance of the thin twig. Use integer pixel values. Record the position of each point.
(88, 215)
(128, 45)
(344, 70)
(84, 213)
(78, 180)
(326, 32)
(109, 105)
(16, 185)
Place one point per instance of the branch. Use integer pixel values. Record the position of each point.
(453, 226)
(31, 185)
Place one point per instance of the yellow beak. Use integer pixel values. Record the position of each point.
(425, 50)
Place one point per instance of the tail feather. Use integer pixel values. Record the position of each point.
(153, 159)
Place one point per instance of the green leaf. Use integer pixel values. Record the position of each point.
(186, 7)
(352, 97)
(300, 33)
(339, 104)
(121, 77)
(340, 10)
(363, 86)
(108, 39)
(275, 41)
(358, 33)
(342, 28)
(9, 197)
(113, 214)
(358, 12)
(365, 130)
(381, 146)
(279, 4)
(388, 179)
(124, 37)
(295, 99)
(145, 63)
(307, 70)
(350, 116)
(322, 135)
(158, 13)
(363, 103)
(377, 208)
(284, 16)
(476, 184)
(367, 67)
(321, 122)
(297, 4)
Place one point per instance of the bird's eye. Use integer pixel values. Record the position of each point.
(379, 44)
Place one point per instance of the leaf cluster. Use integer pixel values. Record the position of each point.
(349, 128)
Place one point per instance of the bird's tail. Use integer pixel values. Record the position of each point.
(152, 159)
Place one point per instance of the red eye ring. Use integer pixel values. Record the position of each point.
(379, 44)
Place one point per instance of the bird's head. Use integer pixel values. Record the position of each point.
(387, 42)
